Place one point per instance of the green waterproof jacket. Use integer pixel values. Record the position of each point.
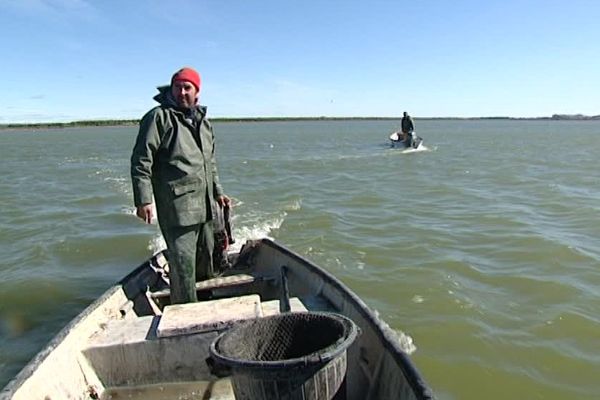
(174, 160)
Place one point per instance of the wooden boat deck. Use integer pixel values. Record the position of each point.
(134, 352)
(132, 336)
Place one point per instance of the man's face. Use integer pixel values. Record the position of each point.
(184, 93)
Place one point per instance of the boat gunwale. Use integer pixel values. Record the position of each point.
(29, 369)
(384, 331)
(40, 357)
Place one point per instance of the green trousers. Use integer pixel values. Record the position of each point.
(190, 250)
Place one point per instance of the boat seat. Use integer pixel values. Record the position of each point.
(127, 353)
(209, 284)
(204, 316)
(172, 347)
(217, 315)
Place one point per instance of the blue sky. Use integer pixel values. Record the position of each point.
(65, 60)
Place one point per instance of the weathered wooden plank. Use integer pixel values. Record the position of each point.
(209, 284)
(183, 319)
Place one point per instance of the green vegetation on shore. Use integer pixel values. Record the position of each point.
(73, 124)
(135, 122)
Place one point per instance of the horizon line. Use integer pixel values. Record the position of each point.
(125, 121)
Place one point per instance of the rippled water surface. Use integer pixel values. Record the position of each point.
(484, 249)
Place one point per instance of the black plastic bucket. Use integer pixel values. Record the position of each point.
(287, 356)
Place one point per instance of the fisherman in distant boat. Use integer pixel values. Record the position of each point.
(406, 137)
(407, 127)
(173, 161)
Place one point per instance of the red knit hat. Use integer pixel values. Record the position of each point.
(187, 74)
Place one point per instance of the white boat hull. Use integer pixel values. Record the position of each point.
(414, 143)
(131, 336)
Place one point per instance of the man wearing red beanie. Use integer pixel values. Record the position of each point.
(182, 79)
(173, 163)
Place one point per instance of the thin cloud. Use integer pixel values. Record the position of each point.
(57, 10)
(286, 88)
(37, 117)
(171, 12)
(275, 97)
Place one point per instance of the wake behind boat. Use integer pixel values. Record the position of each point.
(411, 142)
(132, 343)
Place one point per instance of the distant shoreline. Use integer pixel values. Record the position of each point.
(135, 122)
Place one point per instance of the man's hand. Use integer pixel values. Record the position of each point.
(145, 212)
(224, 200)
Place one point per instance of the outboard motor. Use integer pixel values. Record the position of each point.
(415, 141)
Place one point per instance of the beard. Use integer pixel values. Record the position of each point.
(186, 101)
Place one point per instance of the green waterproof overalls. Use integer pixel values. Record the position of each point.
(174, 160)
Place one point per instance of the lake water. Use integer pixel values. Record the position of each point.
(484, 249)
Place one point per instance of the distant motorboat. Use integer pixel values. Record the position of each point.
(411, 142)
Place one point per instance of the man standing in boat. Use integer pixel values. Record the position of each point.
(407, 126)
(173, 161)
